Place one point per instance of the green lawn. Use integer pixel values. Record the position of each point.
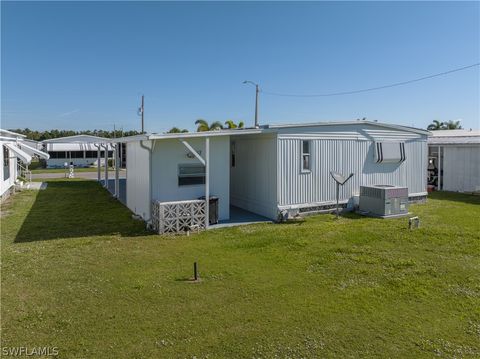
(79, 274)
(62, 170)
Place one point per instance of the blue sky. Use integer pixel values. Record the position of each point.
(84, 65)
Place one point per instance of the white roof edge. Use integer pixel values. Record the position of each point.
(25, 157)
(162, 136)
(356, 122)
(12, 133)
(68, 139)
(39, 153)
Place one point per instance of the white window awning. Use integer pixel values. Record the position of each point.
(33, 151)
(23, 156)
(389, 152)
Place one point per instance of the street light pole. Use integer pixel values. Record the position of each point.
(257, 90)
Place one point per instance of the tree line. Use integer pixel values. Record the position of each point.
(50, 134)
(204, 125)
(449, 125)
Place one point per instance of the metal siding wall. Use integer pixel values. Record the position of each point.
(344, 156)
(138, 184)
(461, 168)
(254, 177)
(168, 154)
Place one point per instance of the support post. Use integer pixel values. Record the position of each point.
(338, 194)
(207, 181)
(117, 165)
(106, 165)
(439, 181)
(99, 173)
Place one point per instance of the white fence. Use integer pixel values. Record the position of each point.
(178, 216)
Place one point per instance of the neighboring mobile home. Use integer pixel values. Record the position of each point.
(16, 154)
(273, 168)
(454, 160)
(80, 151)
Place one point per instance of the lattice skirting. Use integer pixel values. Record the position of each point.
(178, 216)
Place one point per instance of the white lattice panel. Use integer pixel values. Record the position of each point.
(178, 216)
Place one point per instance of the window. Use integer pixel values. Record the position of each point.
(232, 163)
(57, 154)
(76, 154)
(306, 163)
(191, 174)
(91, 154)
(6, 163)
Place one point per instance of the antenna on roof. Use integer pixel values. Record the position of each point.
(140, 112)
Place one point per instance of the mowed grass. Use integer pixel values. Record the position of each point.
(62, 170)
(79, 274)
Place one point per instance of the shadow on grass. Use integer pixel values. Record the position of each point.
(69, 209)
(455, 197)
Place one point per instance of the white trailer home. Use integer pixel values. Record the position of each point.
(454, 160)
(273, 168)
(79, 150)
(15, 155)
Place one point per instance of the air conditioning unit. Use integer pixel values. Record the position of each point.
(383, 201)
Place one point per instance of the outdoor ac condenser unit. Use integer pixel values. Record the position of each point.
(383, 201)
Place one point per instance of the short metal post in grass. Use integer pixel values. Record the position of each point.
(195, 272)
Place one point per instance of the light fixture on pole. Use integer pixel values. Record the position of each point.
(257, 90)
(340, 180)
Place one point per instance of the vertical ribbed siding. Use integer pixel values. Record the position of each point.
(344, 156)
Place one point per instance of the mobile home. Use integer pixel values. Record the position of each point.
(79, 151)
(273, 168)
(454, 160)
(16, 154)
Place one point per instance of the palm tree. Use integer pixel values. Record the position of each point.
(203, 125)
(177, 130)
(452, 125)
(436, 125)
(231, 125)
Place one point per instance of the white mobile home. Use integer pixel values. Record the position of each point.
(80, 151)
(15, 155)
(270, 169)
(454, 160)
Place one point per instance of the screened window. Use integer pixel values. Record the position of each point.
(191, 174)
(91, 154)
(306, 161)
(57, 154)
(76, 154)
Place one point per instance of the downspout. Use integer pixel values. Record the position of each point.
(149, 150)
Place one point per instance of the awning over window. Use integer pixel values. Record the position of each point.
(33, 151)
(23, 156)
(389, 152)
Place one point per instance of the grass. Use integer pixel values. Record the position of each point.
(62, 170)
(79, 274)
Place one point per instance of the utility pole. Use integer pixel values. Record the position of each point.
(140, 113)
(257, 90)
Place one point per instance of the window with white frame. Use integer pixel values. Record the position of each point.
(191, 174)
(305, 159)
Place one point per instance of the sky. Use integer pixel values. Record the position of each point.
(85, 65)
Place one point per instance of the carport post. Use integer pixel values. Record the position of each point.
(106, 165)
(99, 173)
(207, 181)
(117, 165)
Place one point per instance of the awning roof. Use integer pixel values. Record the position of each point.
(74, 147)
(23, 156)
(33, 151)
